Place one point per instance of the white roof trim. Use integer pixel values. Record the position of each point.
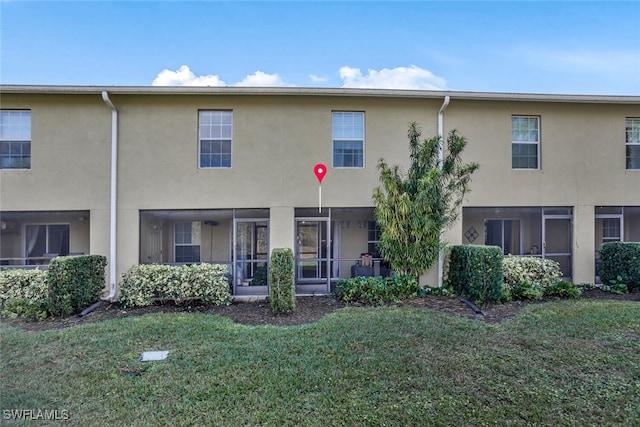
(312, 91)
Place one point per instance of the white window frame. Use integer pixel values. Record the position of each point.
(352, 138)
(611, 223)
(206, 135)
(515, 141)
(191, 242)
(9, 134)
(632, 138)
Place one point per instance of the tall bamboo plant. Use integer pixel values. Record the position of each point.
(414, 208)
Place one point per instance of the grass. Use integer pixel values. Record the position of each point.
(561, 363)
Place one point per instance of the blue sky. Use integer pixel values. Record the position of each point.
(572, 47)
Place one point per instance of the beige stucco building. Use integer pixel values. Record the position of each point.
(183, 175)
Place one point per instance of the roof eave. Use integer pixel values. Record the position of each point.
(314, 91)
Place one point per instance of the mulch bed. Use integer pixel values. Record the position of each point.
(308, 310)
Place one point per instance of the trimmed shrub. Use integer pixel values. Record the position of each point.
(282, 292)
(24, 293)
(476, 272)
(75, 282)
(143, 284)
(620, 264)
(528, 277)
(377, 290)
(207, 282)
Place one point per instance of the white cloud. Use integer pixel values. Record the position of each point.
(396, 78)
(183, 76)
(260, 78)
(317, 79)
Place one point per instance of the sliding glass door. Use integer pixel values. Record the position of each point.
(313, 255)
(251, 252)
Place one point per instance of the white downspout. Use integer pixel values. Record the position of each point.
(444, 106)
(114, 195)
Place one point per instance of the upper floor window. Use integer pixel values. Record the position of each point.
(633, 142)
(15, 139)
(348, 140)
(214, 148)
(525, 142)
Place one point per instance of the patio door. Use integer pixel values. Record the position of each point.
(153, 243)
(45, 241)
(313, 255)
(250, 256)
(505, 233)
(557, 241)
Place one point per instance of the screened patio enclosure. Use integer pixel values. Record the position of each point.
(237, 238)
(32, 239)
(545, 232)
(333, 244)
(329, 245)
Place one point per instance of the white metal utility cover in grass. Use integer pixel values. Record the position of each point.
(148, 356)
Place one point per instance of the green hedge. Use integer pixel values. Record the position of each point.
(24, 293)
(377, 290)
(143, 284)
(282, 293)
(75, 282)
(476, 272)
(620, 264)
(529, 277)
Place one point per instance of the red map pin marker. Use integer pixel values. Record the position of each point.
(320, 170)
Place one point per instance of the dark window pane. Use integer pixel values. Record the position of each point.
(524, 156)
(225, 147)
(633, 156)
(15, 154)
(58, 242)
(337, 159)
(205, 147)
(347, 154)
(36, 240)
(215, 147)
(187, 253)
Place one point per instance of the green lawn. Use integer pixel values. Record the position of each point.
(562, 363)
